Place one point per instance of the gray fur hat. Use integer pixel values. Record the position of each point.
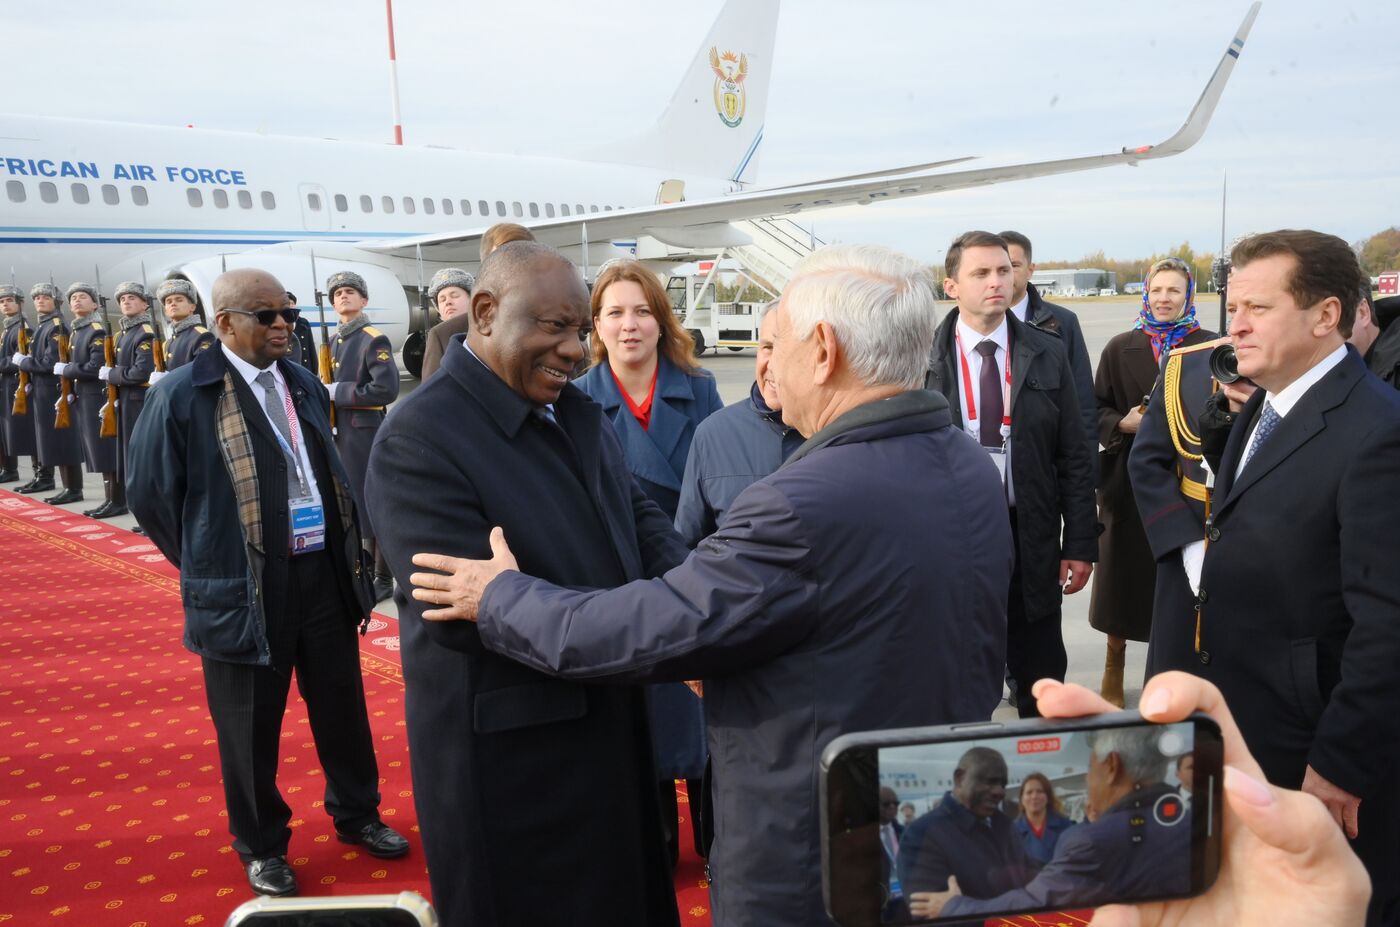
(346, 278)
(14, 291)
(450, 276)
(44, 289)
(175, 288)
(132, 287)
(87, 288)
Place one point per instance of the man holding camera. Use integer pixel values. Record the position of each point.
(1296, 609)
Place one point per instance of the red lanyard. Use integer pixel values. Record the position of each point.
(967, 382)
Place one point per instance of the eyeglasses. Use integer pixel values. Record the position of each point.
(266, 317)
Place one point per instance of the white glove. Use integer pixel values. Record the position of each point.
(1193, 558)
(17, 358)
(330, 390)
(156, 375)
(103, 373)
(58, 368)
(72, 397)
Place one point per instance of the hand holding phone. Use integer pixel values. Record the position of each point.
(1285, 862)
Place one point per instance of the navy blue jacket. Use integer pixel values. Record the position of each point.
(986, 858)
(1099, 862)
(657, 456)
(1042, 848)
(734, 448)
(800, 613)
(1052, 317)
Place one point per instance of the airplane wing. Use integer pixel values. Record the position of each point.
(705, 223)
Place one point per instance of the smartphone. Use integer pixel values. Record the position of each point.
(406, 909)
(939, 824)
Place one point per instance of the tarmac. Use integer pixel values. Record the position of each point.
(1101, 318)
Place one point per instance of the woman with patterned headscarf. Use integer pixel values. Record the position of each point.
(1121, 602)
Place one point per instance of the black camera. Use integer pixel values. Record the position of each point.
(1224, 364)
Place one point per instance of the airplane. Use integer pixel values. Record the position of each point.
(86, 198)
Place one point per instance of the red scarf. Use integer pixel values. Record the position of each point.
(641, 411)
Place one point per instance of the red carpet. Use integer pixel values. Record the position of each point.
(109, 783)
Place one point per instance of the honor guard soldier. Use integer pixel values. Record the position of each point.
(16, 432)
(1172, 487)
(366, 380)
(85, 358)
(187, 336)
(135, 362)
(50, 409)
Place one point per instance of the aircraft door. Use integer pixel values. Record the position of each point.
(315, 208)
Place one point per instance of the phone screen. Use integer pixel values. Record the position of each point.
(1063, 820)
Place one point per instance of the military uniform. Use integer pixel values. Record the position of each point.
(131, 375)
(16, 431)
(86, 357)
(187, 338)
(1171, 486)
(365, 381)
(57, 447)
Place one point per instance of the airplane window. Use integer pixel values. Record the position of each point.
(409, 206)
(48, 192)
(221, 199)
(578, 209)
(15, 189)
(80, 193)
(366, 204)
(549, 210)
(268, 200)
(534, 210)
(194, 196)
(313, 202)
(519, 212)
(388, 203)
(565, 208)
(592, 208)
(500, 207)
(109, 195)
(429, 206)
(607, 209)
(138, 195)
(446, 206)
(341, 203)
(483, 208)
(245, 199)
(466, 207)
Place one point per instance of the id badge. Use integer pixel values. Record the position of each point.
(308, 526)
(998, 455)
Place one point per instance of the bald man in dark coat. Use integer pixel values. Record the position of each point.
(536, 796)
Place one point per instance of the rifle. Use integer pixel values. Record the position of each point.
(1220, 267)
(109, 359)
(63, 416)
(22, 345)
(157, 313)
(323, 354)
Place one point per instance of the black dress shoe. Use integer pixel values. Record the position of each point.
(66, 497)
(139, 530)
(110, 510)
(98, 512)
(378, 839)
(271, 876)
(36, 485)
(383, 588)
(9, 476)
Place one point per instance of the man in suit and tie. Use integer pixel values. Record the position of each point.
(1299, 598)
(234, 475)
(1027, 419)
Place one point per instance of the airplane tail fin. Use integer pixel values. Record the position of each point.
(714, 123)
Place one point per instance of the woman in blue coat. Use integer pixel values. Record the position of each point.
(645, 377)
(1040, 819)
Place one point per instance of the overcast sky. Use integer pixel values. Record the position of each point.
(1307, 130)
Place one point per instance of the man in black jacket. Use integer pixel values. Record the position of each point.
(1026, 416)
(273, 579)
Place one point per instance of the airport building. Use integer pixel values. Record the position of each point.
(1080, 281)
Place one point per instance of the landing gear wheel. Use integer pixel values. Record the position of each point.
(736, 350)
(413, 348)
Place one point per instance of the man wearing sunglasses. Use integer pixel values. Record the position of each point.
(237, 443)
(365, 381)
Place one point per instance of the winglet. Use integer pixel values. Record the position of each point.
(1195, 126)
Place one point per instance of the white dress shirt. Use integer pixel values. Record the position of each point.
(970, 340)
(1020, 309)
(250, 374)
(1285, 399)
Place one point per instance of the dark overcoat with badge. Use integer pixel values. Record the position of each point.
(57, 447)
(187, 338)
(657, 459)
(18, 429)
(1051, 469)
(1300, 592)
(132, 376)
(366, 381)
(803, 613)
(86, 356)
(1168, 483)
(1124, 582)
(536, 797)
